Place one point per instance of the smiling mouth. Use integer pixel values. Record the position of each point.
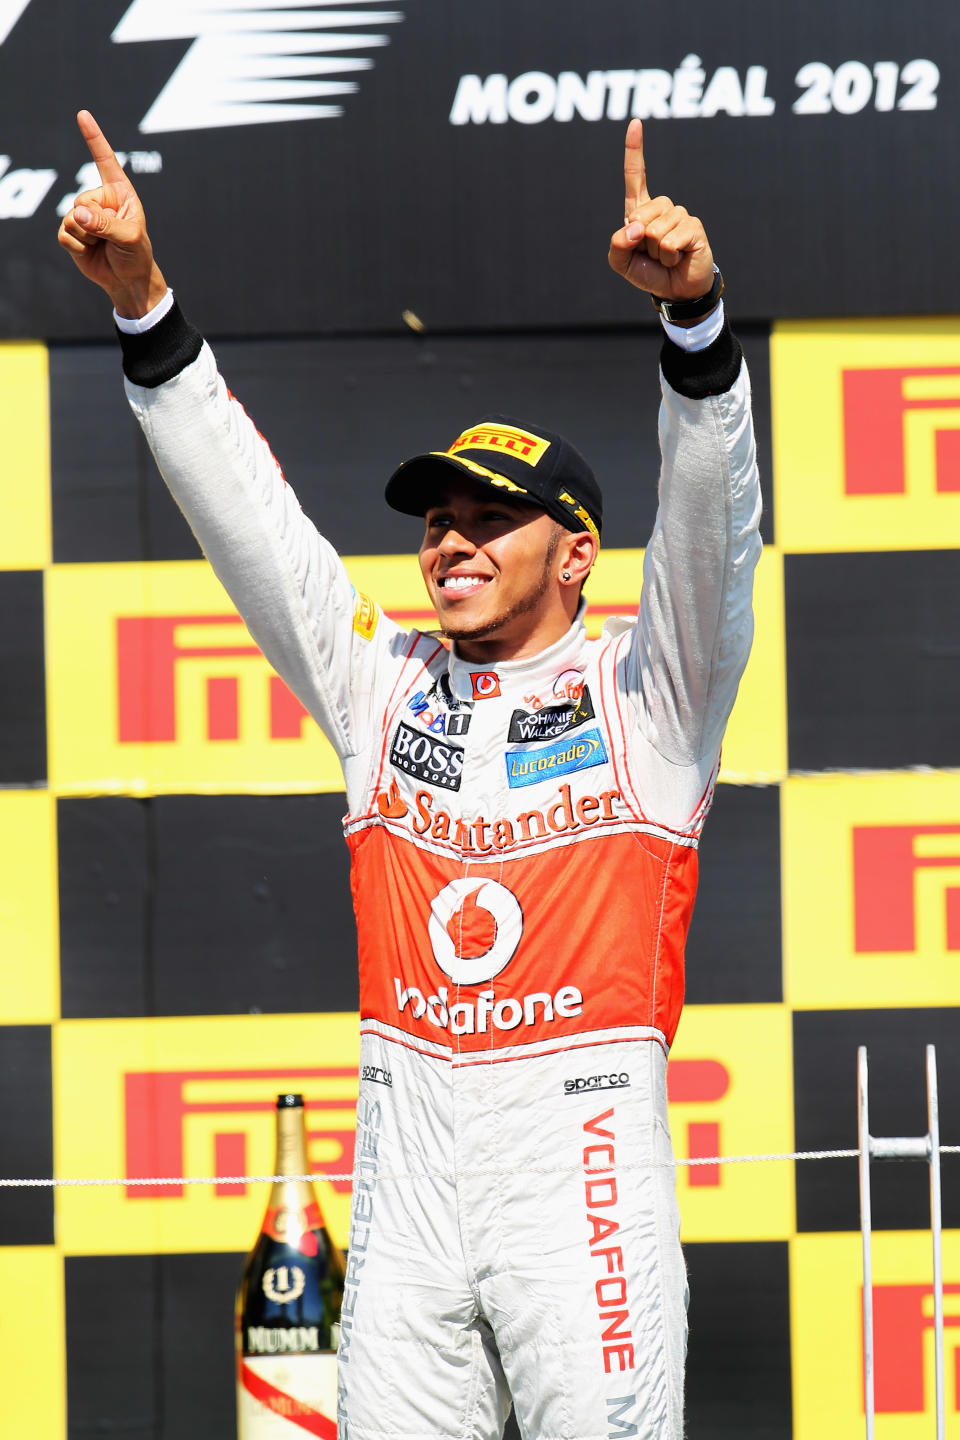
(461, 584)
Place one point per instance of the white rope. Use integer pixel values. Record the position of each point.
(153, 1180)
(58, 1182)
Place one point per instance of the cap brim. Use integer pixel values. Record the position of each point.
(413, 486)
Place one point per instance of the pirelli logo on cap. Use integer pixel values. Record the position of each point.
(580, 512)
(522, 444)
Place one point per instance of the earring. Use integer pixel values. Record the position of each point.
(565, 575)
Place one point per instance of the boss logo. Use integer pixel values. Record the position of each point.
(433, 761)
(584, 1083)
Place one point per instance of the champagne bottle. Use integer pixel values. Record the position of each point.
(288, 1305)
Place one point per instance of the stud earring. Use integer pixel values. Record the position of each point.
(565, 575)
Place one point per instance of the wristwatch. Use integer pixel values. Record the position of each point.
(673, 310)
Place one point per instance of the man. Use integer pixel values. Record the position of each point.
(524, 809)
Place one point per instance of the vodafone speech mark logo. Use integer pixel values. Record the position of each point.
(486, 684)
(253, 64)
(502, 909)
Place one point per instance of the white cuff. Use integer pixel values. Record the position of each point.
(145, 322)
(695, 337)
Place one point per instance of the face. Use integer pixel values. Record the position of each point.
(490, 567)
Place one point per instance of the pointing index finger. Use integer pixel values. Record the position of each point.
(634, 170)
(106, 161)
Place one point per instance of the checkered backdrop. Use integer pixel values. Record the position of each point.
(175, 927)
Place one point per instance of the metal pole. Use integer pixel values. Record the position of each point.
(863, 1140)
(936, 1227)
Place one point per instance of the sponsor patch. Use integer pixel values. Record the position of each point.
(505, 439)
(568, 685)
(432, 761)
(440, 710)
(366, 615)
(549, 721)
(528, 767)
(615, 1080)
(486, 684)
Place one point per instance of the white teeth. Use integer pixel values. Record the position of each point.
(462, 582)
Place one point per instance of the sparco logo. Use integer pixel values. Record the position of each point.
(251, 64)
(591, 1083)
(431, 760)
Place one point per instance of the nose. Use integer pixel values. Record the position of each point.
(454, 542)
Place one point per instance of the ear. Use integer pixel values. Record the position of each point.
(576, 555)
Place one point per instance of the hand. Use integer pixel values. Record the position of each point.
(660, 248)
(106, 233)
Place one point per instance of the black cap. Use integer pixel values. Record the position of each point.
(532, 464)
(289, 1102)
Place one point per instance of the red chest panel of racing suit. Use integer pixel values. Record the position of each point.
(524, 900)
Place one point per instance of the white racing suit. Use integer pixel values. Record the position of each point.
(524, 851)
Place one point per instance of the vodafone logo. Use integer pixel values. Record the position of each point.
(486, 684)
(253, 64)
(503, 908)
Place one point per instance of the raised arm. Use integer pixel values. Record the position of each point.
(285, 579)
(695, 626)
(106, 233)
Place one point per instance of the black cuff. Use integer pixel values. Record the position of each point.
(699, 373)
(161, 352)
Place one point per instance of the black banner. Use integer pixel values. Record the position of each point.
(388, 162)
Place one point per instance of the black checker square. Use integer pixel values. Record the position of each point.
(738, 1355)
(23, 712)
(205, 905)
(109, 501)
(341, 414)
(825, 1044)
(150, 1346)
(873, 659)
(733, 948)
(26, 1133)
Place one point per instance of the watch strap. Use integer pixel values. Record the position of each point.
(673, 310)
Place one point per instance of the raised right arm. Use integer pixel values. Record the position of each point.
(287, 581)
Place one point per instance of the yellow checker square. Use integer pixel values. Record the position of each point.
(32, 1354)
(29, 930)
(826, 1324)
(155, 685)
(866, 434)
(871, 890)
(194, 1097)
(25, 475)
(755, 746)
(730, 1088)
